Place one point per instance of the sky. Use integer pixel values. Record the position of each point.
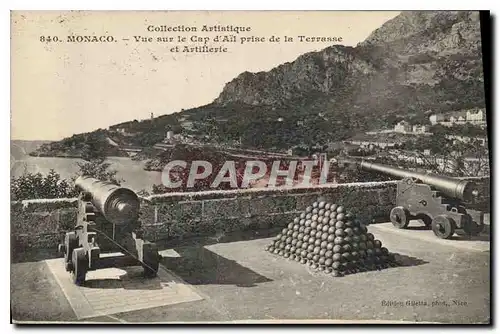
(62, 88)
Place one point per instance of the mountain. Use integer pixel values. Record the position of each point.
(417, 63)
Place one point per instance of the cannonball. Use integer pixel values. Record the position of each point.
(301, 229)
(355, 245)
(370, 236)
(346, 256)
(369, 244)
(309, 209)
(369, 252)
(377, 251)
(287, 248)
(332, 222)
(339, 232)
(298, 243)
(305, 238)
(308, 223)
(340, 216)
(336, 257)
(278, 237)
(302, 215)
(333, 207)
(339, 225)
(349, 223)
(330, 245)
(331, 237)
(349, 231)
(289, 226)
(293, 249)
(321, 212)
(318, 234)
(321, 204)
(333, 215)
(283, 237)
(310, 248)
(362, 245)
(290, 232)
(322, 252)
(319, 227)
(336, 264)
(271, 248)
(311, 240)
(308, 216)
(315, 258)
(321, 260)
(377, 243)
(347, 239)
(303, 261)
(310, 256)
(315, 204)
(302, 222)
(325, 228)
(315, 211)
(356, 238)
(316, 250)
(314, 266)
(328, 254)
(307, 230)
(363, 237)
(340, 209)
(337, 248)
(324, 236)
(328, 262)
(354, 254)
(362, 253)
(327, 206)
(385, 251)
(296, 227)
(325, 220)
(331, 229)
(282, 245)
(346, 248)
(296, 234)
(304, 245)
(281, 253)
(323, 244)
(317, 242)
(314, 223)
(363, 228)
(312, 233)
(286, 255)
(338, 240)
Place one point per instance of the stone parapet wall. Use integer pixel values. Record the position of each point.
(42, 223)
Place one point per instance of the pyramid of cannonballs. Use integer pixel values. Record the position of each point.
(328, 238)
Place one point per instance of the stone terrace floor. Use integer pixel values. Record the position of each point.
(240, 282)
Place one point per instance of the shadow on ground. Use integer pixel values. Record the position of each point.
(199, 266)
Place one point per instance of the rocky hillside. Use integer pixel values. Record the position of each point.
(414, 62)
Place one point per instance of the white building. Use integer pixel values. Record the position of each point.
(476, 116)
(437, 118)
(421, 128)
(402, 127)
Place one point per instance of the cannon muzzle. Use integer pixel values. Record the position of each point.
(456, 188)
(117, 204)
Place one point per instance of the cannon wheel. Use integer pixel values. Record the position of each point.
(473, 228)
(70, 243)
(443, 227)
(400, 217)
(80, 265)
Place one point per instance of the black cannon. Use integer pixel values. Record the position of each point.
(439, 201)
(107, 233)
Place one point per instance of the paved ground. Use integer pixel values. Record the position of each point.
(240, 282)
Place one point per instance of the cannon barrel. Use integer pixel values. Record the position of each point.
(460, 189)
(117, 204)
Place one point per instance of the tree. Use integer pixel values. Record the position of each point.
(36, 185)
